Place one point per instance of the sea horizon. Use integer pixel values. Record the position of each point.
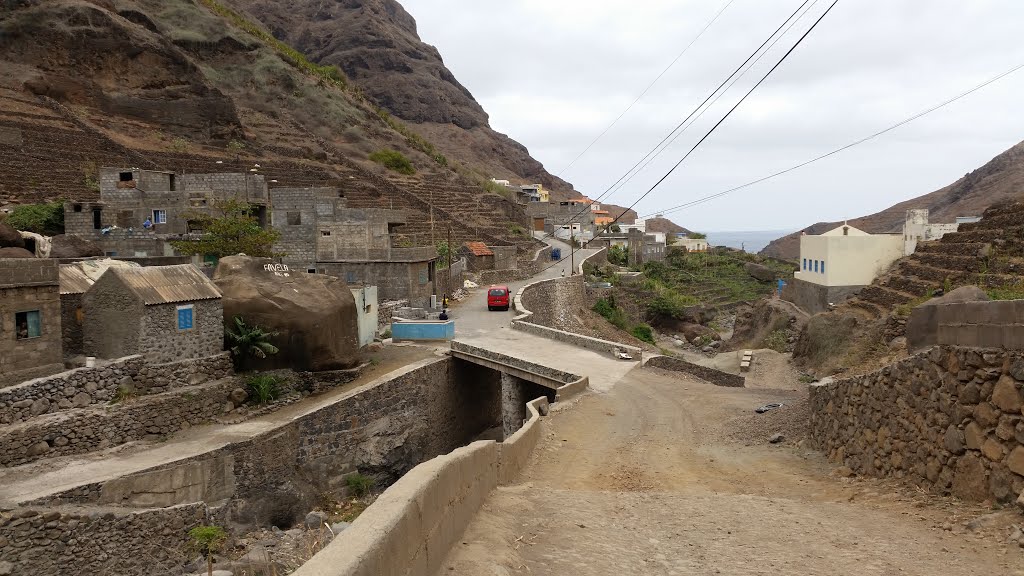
(752, 241)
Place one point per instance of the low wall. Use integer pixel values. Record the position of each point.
(412, 526)
(995, 324)
(814, 298)
(579, 340)
(42, 541)
(458, 272)
(716, 377)
(386, 310)
(554, 302)
(83, 387)
(948, 419)
(425, 331)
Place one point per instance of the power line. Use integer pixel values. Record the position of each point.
(646, 90)
(729, 113)
(847, 146)
(611, 189)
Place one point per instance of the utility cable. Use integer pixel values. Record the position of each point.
(727, 114)
(846, 147)
(646, 90)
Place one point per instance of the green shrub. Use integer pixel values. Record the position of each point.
(45, 219)
(517, 229)
(775, 341)
(263, 388)
(612, 313)
(393, 160)
(617, 255)
(644, 332)
(1007, 292)
(236, 146)
(670, 304)
(386, 334)
(249, 342)
(359, 485)
(208, 541)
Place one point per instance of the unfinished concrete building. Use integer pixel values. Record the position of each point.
(140, 211)
(562, 219)
(320, 234)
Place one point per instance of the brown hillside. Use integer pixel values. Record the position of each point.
(1002, 178)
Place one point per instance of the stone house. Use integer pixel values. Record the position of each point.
(362, 246)
(165, 313)
(73, 285)
(560, 219)
(130, 198)
(30, 319)
(478, 256)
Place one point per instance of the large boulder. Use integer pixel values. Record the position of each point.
(314, 315)
(70, 246)
(923, 325)
(9, 237)
(760, 272)
(15, 253)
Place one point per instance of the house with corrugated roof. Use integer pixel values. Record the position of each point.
(165, 313)
(75, 281)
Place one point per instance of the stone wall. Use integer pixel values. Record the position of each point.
(412, 281)
(948, 419)
(387, 309)
(92, 428)
(458, 278)
(71, 320)
(51, 542)
(161, 340)
(814, 298)
(83, 387)
(298, 236)
(554, 302)
(716, 377)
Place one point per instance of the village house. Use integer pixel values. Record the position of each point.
(30, 319)
(168, 313)
(682, 240)
(140, 211)
(75, 281)
(563, 220)
(320, 234)
(639, 247)
(480, 256)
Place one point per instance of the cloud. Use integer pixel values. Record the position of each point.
(553, 75)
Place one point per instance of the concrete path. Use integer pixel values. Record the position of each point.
(666, 475)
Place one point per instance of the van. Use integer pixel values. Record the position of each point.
(498, 298)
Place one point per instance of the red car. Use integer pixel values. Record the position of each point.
(498, 298)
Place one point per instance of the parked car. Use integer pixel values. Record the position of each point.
(498, 298)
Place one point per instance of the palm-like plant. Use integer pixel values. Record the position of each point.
(249, 342)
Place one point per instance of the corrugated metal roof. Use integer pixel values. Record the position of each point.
(73, 280)
(168, 284)
(479, 249)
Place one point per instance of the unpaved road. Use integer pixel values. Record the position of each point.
(649, 478)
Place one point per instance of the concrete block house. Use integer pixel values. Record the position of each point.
(167, 313)
(30, 326)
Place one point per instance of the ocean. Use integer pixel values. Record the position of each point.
(750, 241)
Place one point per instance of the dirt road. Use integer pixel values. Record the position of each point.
(667, 475)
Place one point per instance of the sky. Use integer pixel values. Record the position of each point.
(554, 74)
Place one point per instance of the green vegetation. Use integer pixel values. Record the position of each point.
(208, 541)
(412, 138)
(443, 251)
(643, 332)
(495, 188)
(618, 255)
(393, 160)
(248, 342)
(45, 219)
(775, 341)
(905, 309)
(179, 145)
(516, 229)
(125, 393)
(359, 485)
(697, 235)
(236, 146)
(615, 228)
(324, 74)
(231, 229)
(263, 388)
(1007, 292)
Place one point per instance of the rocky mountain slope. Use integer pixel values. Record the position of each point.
(1002, 178)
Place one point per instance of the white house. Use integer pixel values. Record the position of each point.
(690, 244)
(918, 229)
(847, 256)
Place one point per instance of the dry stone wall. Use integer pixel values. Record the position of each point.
(716, 377)
(44, 542)
(84, 387)
(949, 419)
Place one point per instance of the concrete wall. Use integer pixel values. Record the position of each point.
(996, 324)
(948, 419)
(427, 330)
(458, 278)
(298, 241)
(27, 285)
(815, 298)
(367, 313)
(412, 281)
(710, 375)
(848, 260)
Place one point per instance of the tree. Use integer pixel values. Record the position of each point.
(617, 255)
(249, 342)
(45, 219)
(231, 229)
(208, 540)
(697, 235)
(615, 228)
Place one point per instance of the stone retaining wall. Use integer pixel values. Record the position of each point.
(95, 428)
(47, 542)
(948, 419)
(716, 377)
(83, 387)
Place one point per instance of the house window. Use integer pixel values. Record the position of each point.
(804, 267)
(350, 277)
(815, 266)
(97, 218)
(325, 232)
(159, 216)
(310, 270)
(294, 218)
(185, 317)
(28, 325)
(126, 177)
(77, 207)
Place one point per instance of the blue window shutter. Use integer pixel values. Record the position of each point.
(185, 319)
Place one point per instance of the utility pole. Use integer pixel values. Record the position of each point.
(432, 216)
(572, 252)
(449, 259)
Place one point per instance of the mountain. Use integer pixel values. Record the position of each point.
(665, 225)
(1002, 178)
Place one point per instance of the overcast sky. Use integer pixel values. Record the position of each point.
(553, 74)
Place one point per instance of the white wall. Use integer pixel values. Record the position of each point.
(366, 313)
(692, 244)
(847, 260)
